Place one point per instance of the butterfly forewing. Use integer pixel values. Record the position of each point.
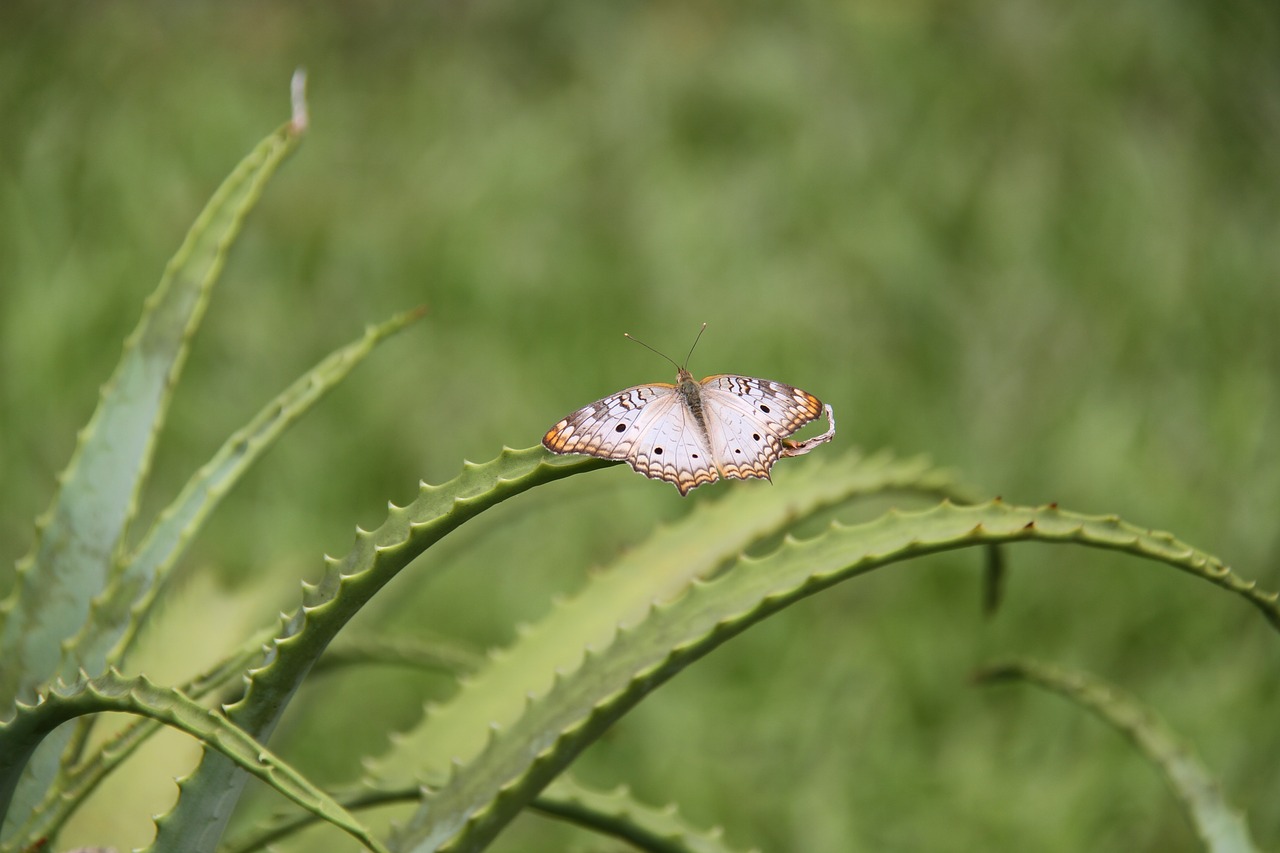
(607, 428)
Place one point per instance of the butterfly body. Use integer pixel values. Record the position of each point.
(693, 432)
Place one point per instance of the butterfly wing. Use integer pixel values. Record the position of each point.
(748, 418)
(670, 446)
(648, 427)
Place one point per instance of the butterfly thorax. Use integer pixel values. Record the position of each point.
(688, 388)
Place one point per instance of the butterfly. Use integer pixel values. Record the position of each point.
(694, 432)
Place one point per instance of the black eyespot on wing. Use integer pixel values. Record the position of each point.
(657, 451)
(620, 428)
(764, 408)
(695, 456)
(756, 436)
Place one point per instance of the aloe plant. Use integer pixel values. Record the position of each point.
(504, 742)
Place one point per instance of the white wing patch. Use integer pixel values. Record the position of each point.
(671, 447)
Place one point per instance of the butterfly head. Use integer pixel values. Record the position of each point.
(683, 375)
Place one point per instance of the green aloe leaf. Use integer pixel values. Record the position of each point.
(380, 554)
(613, 813)
(440, 655)
(712, 534)
(697, 545)
(120, 612)
(119, 609)
(620, 815)
(520, 757)
(283, 826)
(1221, 828)
(80, 539)
(208, 796)
(20, 736)
(76, 782)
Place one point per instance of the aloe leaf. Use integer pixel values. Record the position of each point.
(120, 612)
(440, 655)
(208, 796)
(380, 554)
(281, 827)
(80, 538)
(485, 791)
(1220, 827)
(614, 813)
(658, 569)
(618, 814)
(75, 783)
(20, 736)
(82, 532)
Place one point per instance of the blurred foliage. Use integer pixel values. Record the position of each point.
(1037, 242)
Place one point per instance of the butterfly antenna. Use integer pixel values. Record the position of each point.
(651, 349)
(695, 343)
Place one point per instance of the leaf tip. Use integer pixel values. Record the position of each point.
(300, 118)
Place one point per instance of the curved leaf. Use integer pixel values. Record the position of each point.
(447, 656)
(1222, 828)
(20, 736)
(522, 756)
(208, 796)
(120, 612)
(83, 530)
(76, 782)
(618, 814)
(379, 555)
(80, 538)
(658, 569)
(615, 813)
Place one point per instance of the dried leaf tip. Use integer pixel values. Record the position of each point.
(300, 119)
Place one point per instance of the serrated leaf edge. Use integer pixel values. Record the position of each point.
(111, 691)
(466, 811)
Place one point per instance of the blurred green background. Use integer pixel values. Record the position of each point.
(1038, 242)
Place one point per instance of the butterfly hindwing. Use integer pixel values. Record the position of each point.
(741, 445)
(671, 447)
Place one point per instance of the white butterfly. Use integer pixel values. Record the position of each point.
(693, 432)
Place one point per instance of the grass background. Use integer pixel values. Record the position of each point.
(1038, 242)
